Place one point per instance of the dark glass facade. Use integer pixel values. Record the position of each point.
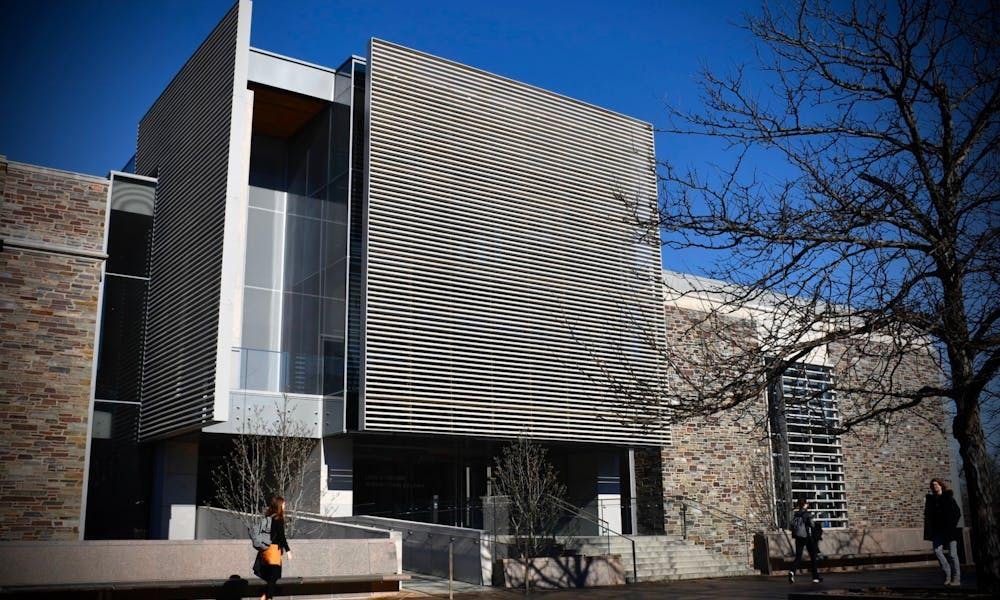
(118, 477)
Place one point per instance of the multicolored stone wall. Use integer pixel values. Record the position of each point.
(721, 465)
(713, 467)
(887, 467)
(48, 317)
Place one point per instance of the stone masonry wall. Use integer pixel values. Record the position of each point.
(715, 464)
(48, 315)
(723, 462)
(887, 469)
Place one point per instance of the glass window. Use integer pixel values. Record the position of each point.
(119, 358)
(265, 244)
(119, 468)
(807, 452)
(260, 319)
(302, 255)
(129, 235)
(296, 259)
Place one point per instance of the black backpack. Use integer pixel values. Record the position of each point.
(798, 526)
(817, 532)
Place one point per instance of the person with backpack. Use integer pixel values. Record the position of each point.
(270, 542)
(804, 532)
(941, 516)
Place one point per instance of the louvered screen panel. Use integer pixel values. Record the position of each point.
(184, 140)
(502, 269)
(815, 456)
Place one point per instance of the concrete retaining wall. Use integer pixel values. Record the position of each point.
(864, 542)
(217, 524)
(565, 572)
(425, 548)
(38, 563)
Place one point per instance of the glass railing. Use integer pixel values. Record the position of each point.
(286, 372)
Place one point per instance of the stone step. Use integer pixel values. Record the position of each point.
(618, 548)
(688, 567)
(681, 553)
(680, 567)
(680, 560)
(663, 558)
(706, 572)
(677, 559)
(653, 552)
(639, 541)
(682, 576)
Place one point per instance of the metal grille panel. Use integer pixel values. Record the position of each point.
(808, 453)
(502, 269)
(184, 140)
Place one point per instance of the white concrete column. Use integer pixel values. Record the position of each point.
(633, 493)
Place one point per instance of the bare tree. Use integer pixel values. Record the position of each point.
(994, 479)
(268, 458)
(861, 208)
(533, 492)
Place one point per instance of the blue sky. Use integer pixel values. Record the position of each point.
(79, 75)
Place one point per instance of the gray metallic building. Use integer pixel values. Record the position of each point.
(415, 258)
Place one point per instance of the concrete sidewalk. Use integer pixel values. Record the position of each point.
(731, 588)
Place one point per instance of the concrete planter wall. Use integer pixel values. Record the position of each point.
(563, 571)
(876, 544)
(217, 524)
(40, 563)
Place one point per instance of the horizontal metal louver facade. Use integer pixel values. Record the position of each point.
(184, 140)
(502, 269)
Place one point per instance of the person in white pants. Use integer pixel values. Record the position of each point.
(941, 516)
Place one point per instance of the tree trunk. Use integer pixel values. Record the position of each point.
(968, 431)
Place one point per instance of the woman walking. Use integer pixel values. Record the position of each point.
(270, 558)
(941, 516)
(802, 531)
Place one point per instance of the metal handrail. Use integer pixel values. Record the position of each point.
(739, 521)
(332, 519)
(601, 523)
(686, 500)
(580, 512)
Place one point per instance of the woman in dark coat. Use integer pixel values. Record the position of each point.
(270, 559)
(941, 516)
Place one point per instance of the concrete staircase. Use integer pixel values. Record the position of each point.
(662, 557)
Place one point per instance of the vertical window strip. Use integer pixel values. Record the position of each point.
(807, 451)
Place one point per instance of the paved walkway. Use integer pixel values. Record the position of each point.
(730, 588)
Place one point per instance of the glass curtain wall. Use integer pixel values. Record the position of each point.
(293, 338)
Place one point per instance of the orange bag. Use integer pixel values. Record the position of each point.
(271, 556)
